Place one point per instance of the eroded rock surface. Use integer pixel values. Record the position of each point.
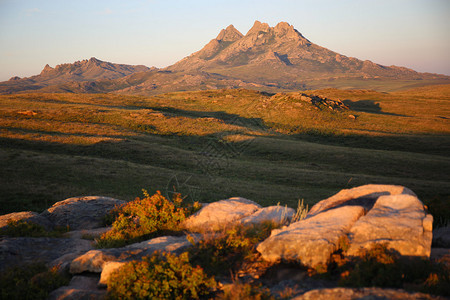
(94, 260)
(364, 196)
(363, 216)
(397, 220)
(81, 212)
(310, 241)
(275, 214)
(220, 213)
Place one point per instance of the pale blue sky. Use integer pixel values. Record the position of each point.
(411, 33)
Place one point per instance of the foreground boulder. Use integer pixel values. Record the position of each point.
(81, 212)
(397, 220)
(361, 216)
(312, 240)
(217, 214)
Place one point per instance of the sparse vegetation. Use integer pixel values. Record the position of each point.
(33, 282)
(301, 212)
(240, 291)
(17, 228)
(381, 267)
(143, 218)
(224, 252)
(160, 276)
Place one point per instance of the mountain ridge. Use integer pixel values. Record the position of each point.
(266, 58)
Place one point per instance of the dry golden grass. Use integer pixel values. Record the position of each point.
(219, 144)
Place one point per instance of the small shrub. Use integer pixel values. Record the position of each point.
(220, 252)
(34, 281)
(21, 228)
(160, 276)
(144, 218)
(301, 212)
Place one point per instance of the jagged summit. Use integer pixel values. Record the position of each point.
(267, 58)
(280, 56)
(229, 34)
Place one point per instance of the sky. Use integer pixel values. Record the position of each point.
(33, 33)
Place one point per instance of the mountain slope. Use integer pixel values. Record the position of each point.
(282, 56)
(77, 73)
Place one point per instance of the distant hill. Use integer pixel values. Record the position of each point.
(266, 58)
(81, 73)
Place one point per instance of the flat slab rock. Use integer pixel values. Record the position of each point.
(364, 215)
(95, 260)
(363, 293)
(217, 214)
(27, 216)
(23, 250)
(364, 196)
(81, 212)
(310, 241)
(397, 220)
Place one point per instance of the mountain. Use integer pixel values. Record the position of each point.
(267, 58)
(80, 73)
(283, 57)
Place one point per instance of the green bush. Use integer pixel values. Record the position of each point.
(160, 276)
(34, 281)
(144, 218)
(224, 251)
(20, 228)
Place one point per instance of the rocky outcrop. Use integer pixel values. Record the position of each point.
(355, 218)
(397, 220)
(215, 215)
(81, 212)
(312, 240)
(361, 216)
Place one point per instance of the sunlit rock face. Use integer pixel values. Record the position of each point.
(215, 215)
(362, 216)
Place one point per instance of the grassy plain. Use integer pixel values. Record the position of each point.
(210, 145)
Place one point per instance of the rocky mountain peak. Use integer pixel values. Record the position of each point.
(283, 29)
(47, 69)
(258, 27)
(229, 34)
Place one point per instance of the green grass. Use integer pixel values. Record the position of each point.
(210, 145)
